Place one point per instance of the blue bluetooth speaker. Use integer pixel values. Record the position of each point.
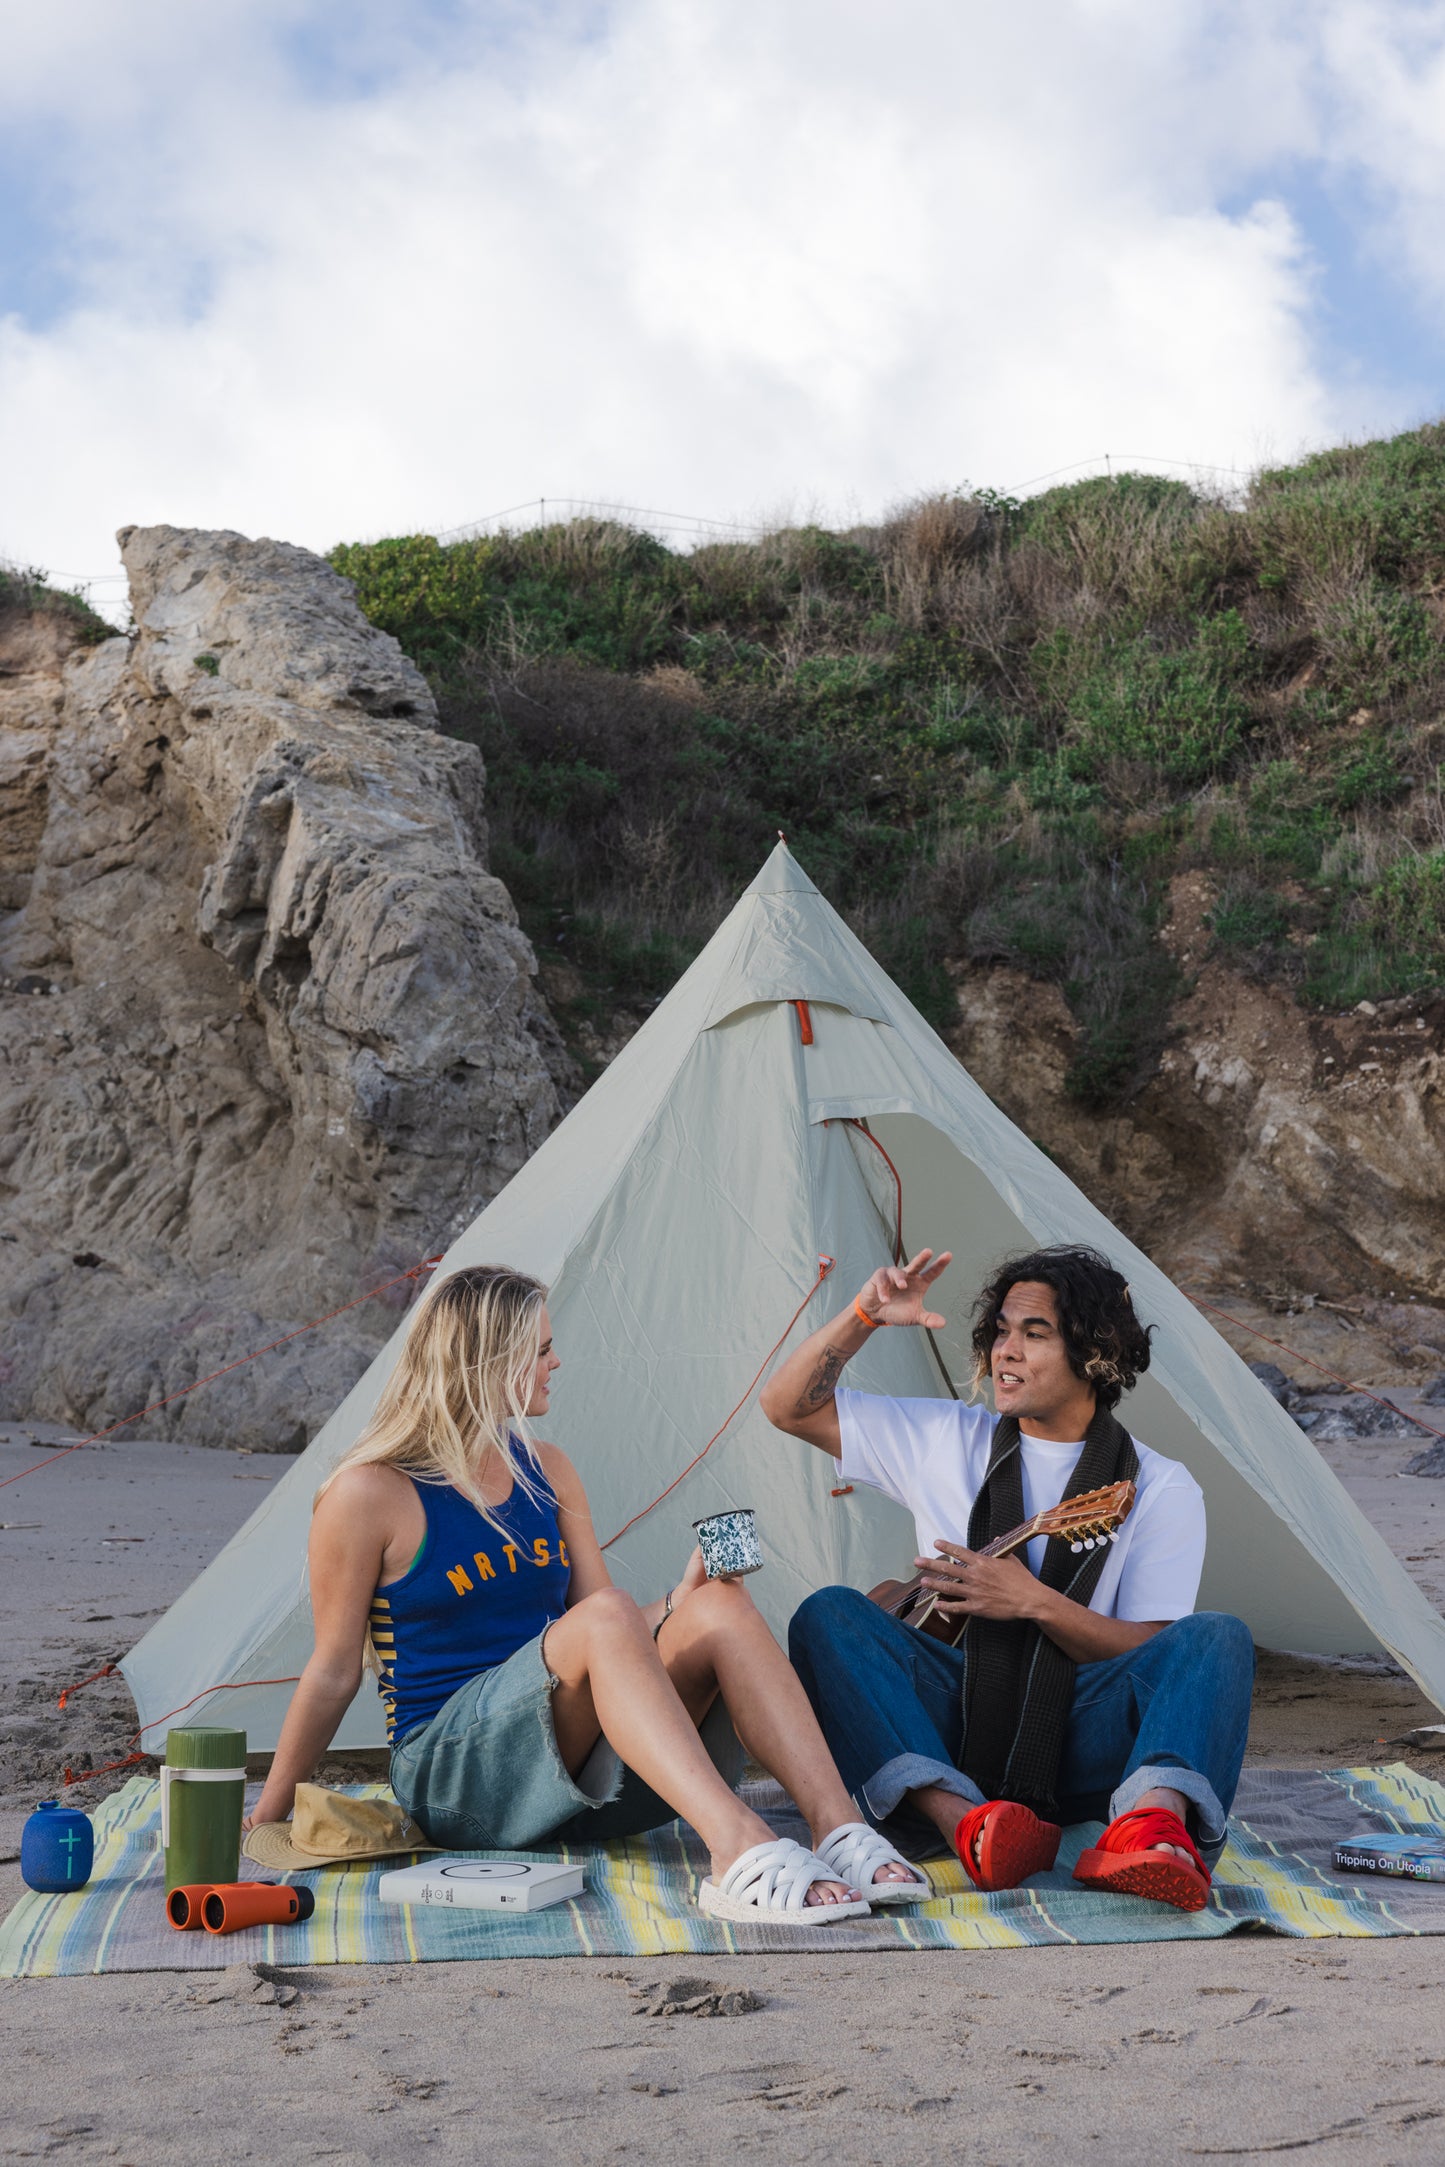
(57, 1849)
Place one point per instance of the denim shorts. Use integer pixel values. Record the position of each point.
(485, 1773)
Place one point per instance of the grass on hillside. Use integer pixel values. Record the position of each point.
(989, 728)
(27, 589)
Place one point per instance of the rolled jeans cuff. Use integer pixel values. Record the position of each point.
(884, 1790)
(1212, 1827)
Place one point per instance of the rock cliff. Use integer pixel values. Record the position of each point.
(1280, 1162)
(269, 1032)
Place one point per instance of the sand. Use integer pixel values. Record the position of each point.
(1175, 2051)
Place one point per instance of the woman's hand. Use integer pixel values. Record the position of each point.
(274, 1804)
(694, 1576)
(671, 1600)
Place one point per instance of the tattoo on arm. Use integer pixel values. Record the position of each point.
(823, 1382)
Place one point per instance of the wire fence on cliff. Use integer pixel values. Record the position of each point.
(108, 593)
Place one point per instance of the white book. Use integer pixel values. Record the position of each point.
(482, 1884)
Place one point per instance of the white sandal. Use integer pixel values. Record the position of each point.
(771, 1882)
(854, 1853)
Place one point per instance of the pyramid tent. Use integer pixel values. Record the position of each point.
(679, 1214)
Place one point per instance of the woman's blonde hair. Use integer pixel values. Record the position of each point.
(460, 1388)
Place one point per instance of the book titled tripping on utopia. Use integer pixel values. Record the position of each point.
(1418, 1855)
(483, 1884)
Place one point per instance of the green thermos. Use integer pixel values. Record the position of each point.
(203, 1794)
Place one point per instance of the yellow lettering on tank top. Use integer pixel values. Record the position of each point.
(485, 1568)
(562, 1556)
(460, 1579)
(542, 1551)
(509, 1551)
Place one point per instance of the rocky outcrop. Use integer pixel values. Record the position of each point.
(269, 1032)
(34, 646)
(1288, 1161)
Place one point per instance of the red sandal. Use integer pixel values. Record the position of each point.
(1015, 1844)
(1125, 1862)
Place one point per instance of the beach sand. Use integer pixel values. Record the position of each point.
(1173, 2051)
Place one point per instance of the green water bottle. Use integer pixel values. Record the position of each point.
(203, 1793)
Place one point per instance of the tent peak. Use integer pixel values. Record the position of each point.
(782, 874)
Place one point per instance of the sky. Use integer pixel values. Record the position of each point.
(332, 269)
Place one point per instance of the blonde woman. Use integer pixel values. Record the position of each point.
(528, 1701)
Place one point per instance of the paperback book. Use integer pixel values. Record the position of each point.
(1418, 1855)
(483, 1884)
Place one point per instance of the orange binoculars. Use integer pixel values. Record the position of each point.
(224, 1907)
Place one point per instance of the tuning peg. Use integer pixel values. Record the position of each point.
(1076, 1547)
(1088, 1542)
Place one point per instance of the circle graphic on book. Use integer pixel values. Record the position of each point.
(487, 1870)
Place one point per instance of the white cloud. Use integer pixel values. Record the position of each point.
(1386, 63)
(705, 254)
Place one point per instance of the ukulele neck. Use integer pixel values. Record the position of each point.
(1014, 1540)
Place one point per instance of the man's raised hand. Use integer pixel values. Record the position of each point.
(801, 1395)
(898, 1293)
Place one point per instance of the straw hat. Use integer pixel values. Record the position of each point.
(329, 1829)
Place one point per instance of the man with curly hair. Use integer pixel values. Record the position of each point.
(1083, 1684)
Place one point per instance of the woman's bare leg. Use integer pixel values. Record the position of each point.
(611, 1681)
(718, 1641)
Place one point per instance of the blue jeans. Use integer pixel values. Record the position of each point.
(1172, 1712)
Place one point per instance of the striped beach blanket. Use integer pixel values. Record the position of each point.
(640, 1895)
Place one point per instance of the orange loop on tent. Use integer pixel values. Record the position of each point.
(805, 1023)
(428, 1264)
(825, 1265)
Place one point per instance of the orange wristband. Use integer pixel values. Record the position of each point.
(863, 1316)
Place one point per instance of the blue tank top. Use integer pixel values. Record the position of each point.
(469, 1598)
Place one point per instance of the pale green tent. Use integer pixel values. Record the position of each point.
(679, 1214)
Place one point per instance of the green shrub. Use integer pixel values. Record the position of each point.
(1248, 917)
(1280, 821)
(1092, 933)
(1388, 940)
(1377, 507)
(1149, 849)
(1410, 902)
(1105, 524)
(626, 961)
(1345, 965)
(1365, 773)
(435, 600)
(1149, 545)
(1378, 642)
(906, 943)
(1182, 713)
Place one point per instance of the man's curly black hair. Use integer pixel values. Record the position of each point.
(1106, 1344)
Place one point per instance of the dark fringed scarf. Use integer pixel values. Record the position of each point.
(1018, 1685)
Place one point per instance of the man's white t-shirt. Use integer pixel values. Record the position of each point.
(930, 1456)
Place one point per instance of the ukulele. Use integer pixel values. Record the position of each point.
(1083, 1522)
